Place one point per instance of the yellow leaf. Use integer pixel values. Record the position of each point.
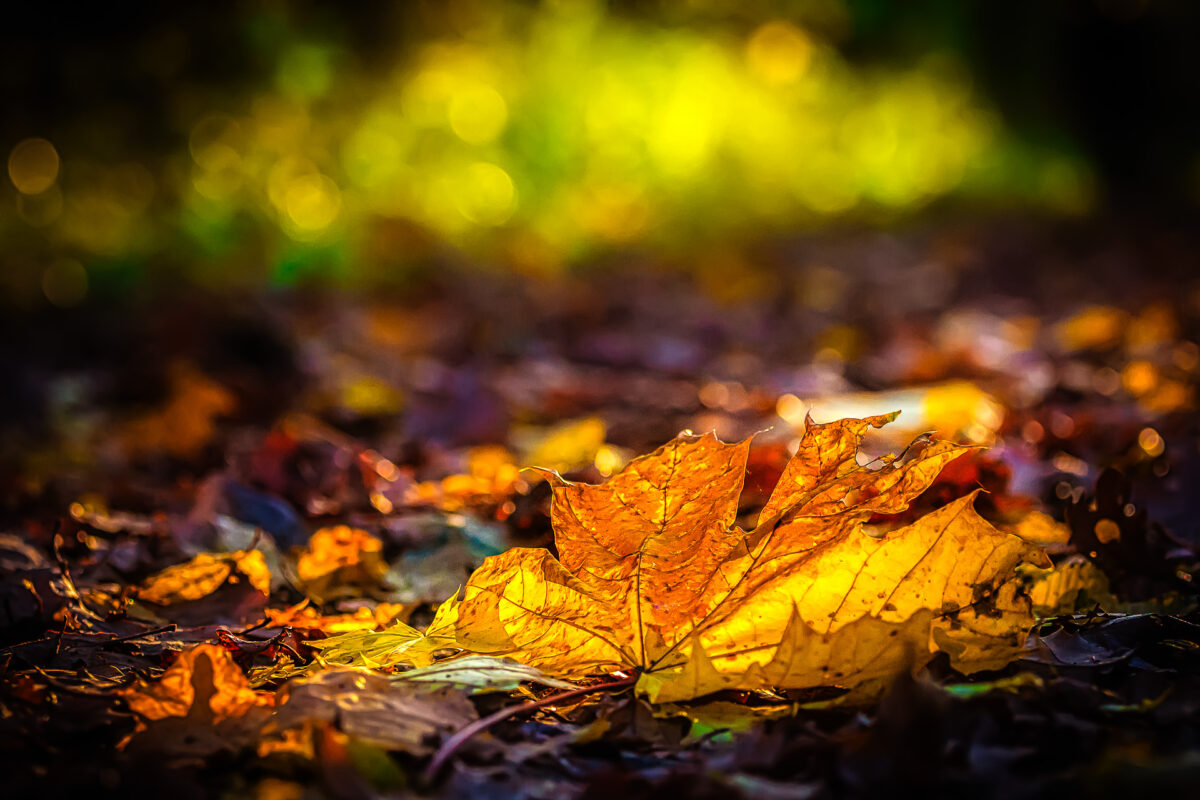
(1074, 585)
(331, 549)
(564, 447)
(398, 645)
(1040, 528)
(950, 409)
(360, 620)
(654, 576)
(253, 565)
(491, 477)
(203, 575)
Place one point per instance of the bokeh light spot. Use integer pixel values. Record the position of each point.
(1139, 377)
(477, 113)
(33, 166)
(305, 71)
(40, 210)
(372, 157)
(1151, 442)
(1107, 531)
(312, 202)
(214, 141)
(489, 197)
(779, 52)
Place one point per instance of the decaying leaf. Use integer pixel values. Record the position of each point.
(652, 574)
(479, 674)
(203, 575)
(371, 709)
(1074, 585)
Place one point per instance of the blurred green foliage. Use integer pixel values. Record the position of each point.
(533, 137)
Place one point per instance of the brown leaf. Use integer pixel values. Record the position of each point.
(371, 709)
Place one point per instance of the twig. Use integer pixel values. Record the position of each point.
(168, 628)
(64, 687)
(454, 742)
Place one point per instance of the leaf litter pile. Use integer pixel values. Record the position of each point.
(613, 537)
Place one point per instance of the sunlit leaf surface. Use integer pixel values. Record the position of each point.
(228, 692)
(653, 574)
(204, 574)
(399, 644)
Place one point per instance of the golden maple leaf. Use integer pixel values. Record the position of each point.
(654, 576)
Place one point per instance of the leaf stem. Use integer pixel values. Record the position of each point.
(452, 744)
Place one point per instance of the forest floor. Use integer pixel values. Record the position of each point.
(259, 472)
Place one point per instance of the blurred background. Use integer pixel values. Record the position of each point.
(254, 144)
(438, 226)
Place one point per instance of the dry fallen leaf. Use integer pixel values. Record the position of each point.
(203, 575)
(1039, 528)
(201, 705)
(399, 644)
(1074, 585)
(339, 556)
(369, 708)
(359, 620)
(563, 447)
(479, 674)
(490, 478)
(186, 423)
(174, 694)
(653, 576)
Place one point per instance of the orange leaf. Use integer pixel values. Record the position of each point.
(653, 575)
(340, 555)
(173, 695)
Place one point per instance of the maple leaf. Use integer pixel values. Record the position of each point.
(654, 576)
